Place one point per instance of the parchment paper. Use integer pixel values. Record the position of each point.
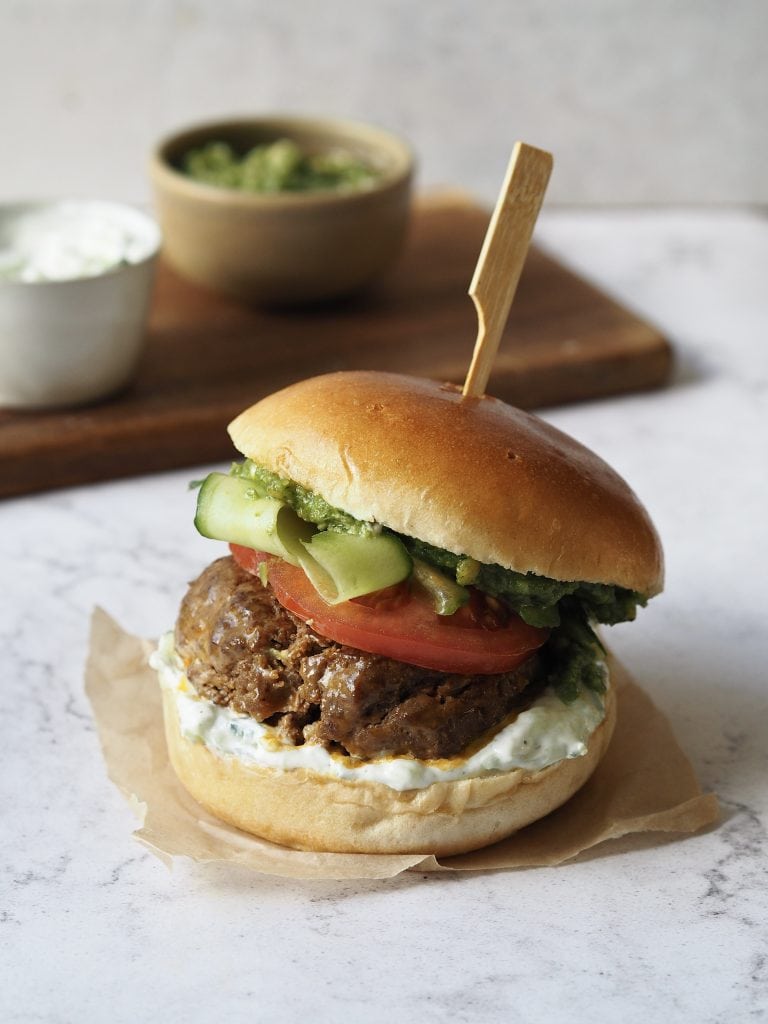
(645, 783)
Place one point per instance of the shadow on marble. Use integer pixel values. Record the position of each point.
(690, 367)
(720, 716)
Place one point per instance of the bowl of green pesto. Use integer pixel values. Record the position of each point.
(279, 166)
(283, 210)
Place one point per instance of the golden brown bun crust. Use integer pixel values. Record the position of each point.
(310, 812)
(474, 476)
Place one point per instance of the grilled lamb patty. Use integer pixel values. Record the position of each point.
(242, 649)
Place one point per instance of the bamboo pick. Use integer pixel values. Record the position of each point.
(503, 254)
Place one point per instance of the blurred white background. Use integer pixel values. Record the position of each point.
(642, 101)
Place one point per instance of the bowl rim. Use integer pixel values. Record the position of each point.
(154, 237)
(164, 173)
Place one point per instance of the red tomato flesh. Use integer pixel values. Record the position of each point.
(403, 626)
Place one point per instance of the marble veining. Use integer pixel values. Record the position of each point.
(94, 928)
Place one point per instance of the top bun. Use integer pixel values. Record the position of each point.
(472, 475)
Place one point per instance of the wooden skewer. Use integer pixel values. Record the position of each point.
(503, 254)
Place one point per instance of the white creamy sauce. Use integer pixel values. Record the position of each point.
(66, 240)
(545, 733)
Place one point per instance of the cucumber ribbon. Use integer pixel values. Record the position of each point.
(340, 566)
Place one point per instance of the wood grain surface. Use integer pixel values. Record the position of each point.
(209, 357)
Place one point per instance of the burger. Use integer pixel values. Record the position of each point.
(398, 653)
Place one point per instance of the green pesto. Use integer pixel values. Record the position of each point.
(536, 599)
(306, 504)
(572, 655)
(280, 166)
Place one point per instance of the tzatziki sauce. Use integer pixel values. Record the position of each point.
(546, 732)
(69, 239)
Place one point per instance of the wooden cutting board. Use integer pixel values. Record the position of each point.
(209, 357)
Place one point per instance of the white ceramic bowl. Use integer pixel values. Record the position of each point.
(76, 338)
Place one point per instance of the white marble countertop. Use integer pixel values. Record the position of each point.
(96, 929)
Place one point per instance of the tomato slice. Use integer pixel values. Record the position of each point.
(401, 625)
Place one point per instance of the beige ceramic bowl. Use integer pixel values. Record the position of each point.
(284, 248)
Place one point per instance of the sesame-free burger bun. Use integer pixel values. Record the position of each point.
(307, 811)
(472, 475)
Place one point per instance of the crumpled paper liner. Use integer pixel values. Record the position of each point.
(645, 783)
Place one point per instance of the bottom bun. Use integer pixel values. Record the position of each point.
(306, 811)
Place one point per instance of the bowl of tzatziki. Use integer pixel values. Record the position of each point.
(75, 287)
